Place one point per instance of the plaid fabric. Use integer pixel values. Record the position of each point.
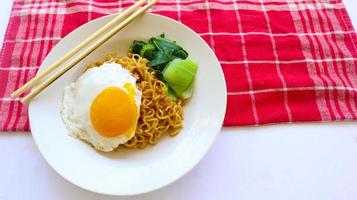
(284, 61)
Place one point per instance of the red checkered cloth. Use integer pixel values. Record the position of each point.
(284, 61)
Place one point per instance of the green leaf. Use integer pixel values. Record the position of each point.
(137, 46)
(170, 47)
(160, 58)
(147, 51)
(160, 76)
(180, 53)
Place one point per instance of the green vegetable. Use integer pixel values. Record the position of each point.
(147, 51)
(169, 47)
(189, 91)
(160, 58)
(180, 53)
(179, 74)
(137, 46)
(160, 76)
(171, 64)
(171, 94)
(159, 51)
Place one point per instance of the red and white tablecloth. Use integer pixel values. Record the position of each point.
(284, 61)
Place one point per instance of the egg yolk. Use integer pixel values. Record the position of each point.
(113, 112)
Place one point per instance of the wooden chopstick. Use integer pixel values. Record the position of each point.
(75, 50)
(87, 51)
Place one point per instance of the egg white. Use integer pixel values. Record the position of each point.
(78, 97)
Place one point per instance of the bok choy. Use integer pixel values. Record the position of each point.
(179, 75)
(171, 63)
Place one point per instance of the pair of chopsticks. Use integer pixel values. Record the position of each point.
(124, 18)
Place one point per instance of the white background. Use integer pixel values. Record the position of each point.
(316, 161)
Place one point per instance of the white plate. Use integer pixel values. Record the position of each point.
(129, 172)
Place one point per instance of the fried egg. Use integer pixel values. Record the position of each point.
(102, 106)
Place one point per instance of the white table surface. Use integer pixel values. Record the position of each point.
(316, 161)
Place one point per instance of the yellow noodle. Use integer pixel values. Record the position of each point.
(159, 115)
